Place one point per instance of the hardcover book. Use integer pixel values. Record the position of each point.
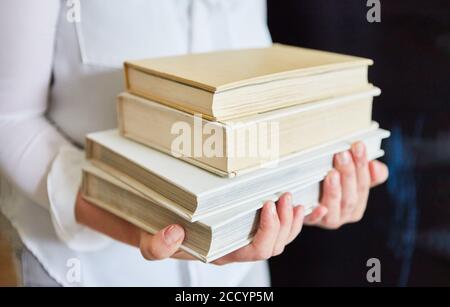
(237, 146)
(235, 83)
(194, 193)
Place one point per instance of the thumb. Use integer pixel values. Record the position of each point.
(163, 244)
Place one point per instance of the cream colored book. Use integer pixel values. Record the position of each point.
(207, 239)
(235, 83)
(234, 146)
(194, 193)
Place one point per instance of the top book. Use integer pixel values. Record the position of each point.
(234, 83)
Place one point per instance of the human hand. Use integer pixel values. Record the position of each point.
(278, 225)
(346, 188)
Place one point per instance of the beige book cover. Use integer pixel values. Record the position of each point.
(231, 83)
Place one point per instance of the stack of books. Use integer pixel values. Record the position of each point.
(205, 139)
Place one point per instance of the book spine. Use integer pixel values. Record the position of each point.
(89, 148)
(126, 75)
(120, 117)
(84, 183)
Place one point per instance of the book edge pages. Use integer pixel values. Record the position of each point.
(92, 137)
(343, 144)
(139, 224)
(204, 258)
(374, 127)
(89, 168)
(292, 187)
(146, 192)
(372, 91)
(338, 145)
(233, 125)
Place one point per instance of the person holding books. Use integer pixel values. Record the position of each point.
(60, 71)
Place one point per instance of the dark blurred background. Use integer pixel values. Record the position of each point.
(407, 224)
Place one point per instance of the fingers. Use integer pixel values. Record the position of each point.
(316, 216)
(345, 193)
(163, 244)
(331, 199)
(363, 180)
(264, 241)
(267, 233)
(344, 165)
(378, 172)
(297, 223)
(285, 214)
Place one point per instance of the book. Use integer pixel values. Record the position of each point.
(232, 147)
(235, 83)
(207, 239)
(194, 193)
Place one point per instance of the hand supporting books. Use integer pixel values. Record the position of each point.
(346, 188)
(344, 200)
(279, 224)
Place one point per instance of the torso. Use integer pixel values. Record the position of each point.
(88, 58)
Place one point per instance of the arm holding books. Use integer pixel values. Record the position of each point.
(279, 225)
(344, 200)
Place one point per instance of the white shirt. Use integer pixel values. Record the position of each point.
(58, 81)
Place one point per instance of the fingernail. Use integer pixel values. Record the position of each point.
(289, 198)
(172, 234)
(343, 158)
(334, 179)
(358, 149)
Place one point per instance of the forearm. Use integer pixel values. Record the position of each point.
(28, 147)
(106, 223)
(28, 142)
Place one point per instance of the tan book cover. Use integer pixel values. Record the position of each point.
(232, 83)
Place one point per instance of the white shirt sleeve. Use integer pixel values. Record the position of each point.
(29, 143)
